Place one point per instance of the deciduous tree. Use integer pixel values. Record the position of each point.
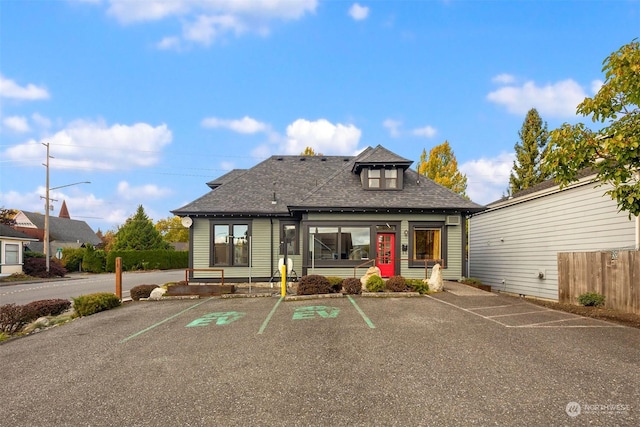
(613, 152)
(442, 167)
(527, 168)
(172, 230)
(309, 151)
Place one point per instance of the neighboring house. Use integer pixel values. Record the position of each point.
(513, 245)
(12, 243)
(64, 232)
(333, 214)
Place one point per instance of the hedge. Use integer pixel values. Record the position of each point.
(159, 259)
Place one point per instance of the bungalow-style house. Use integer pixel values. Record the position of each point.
(12, 243)
(514, 243)
(332, 215)
(64, 232)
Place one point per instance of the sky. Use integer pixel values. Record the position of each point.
(150, 100)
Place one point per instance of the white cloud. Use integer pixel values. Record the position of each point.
(322, 136)
(204, 21)
(504, 79)
(95, 146)
(393, 126)
(358, 12)
(488, 178)
(426, 131)
(246, 125)
(30, 92)
(596, 85)
(559, 99)
(16, 124)
(141, 192)
(41, 121)
(169, 43)
(227, 166)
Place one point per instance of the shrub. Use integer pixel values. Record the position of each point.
(49, 307)
(471, 281)
(396, 284)
(335, 283)
(94, 261)
(313, 284)
(142, 291)
(14, 317)
(86, 305)
(591, 299)
(352, 286)
(375, 284)
(72, 258)
(160, 259)
(418, 285)
(37, 267)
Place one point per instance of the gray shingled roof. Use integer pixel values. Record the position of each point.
(322, 183)
(64, 229)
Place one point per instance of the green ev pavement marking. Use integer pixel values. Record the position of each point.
(314, 311)
(163, 321)
(221, 318)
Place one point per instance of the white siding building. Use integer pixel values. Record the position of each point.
(513, 245)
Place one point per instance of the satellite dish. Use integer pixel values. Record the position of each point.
(187, 222)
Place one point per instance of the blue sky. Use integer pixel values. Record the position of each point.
(149, 100)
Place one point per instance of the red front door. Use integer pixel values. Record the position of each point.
(386, 251)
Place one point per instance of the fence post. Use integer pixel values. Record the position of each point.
(119, 278)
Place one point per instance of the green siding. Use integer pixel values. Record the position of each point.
(265, 252)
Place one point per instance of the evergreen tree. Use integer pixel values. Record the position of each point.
(442, 167)
(138, 233)
(531, 150)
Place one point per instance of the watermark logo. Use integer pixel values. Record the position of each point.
(573, 409)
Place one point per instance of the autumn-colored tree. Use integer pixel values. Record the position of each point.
(139, 233)
(613, 152)
(172, 230)
(7, 217)
(442, 167)
(527, 168)
(309, 151)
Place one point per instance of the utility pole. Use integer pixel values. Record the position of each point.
(46, 211)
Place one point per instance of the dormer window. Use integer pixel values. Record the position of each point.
(374, 178)
(381, 179)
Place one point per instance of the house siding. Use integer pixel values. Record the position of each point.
(517, 241)
(453, 270)
(264, 251)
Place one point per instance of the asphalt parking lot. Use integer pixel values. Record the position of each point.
(454, 358)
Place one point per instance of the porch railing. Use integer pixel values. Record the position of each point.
(191, 270)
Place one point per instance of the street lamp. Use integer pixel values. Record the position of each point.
(47, 207)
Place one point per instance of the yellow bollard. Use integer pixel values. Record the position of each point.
(283, 274)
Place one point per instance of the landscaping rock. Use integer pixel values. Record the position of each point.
(371, 271)
(157, 294)
(435, 281)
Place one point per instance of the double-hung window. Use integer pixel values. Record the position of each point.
(11, 254)
(230, 244)
(381, 179)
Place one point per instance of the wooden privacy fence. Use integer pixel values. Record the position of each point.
(614, 274)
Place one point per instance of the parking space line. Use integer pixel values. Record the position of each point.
(364, 316)
(571, 316)
(520, 314)
(495, 306)
(164, 321)
(266, 321)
